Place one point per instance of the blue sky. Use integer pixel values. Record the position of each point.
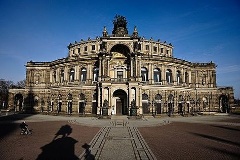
(200, 31)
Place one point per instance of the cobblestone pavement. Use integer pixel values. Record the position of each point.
(198, 137)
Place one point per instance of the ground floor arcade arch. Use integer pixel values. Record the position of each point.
(224, 104)
(18, 100)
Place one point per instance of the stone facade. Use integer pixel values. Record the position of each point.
(122, 74)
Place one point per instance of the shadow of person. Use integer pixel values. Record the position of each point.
(61, 148)
(88, 155)
(65, 131)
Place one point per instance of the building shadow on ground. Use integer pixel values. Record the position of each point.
(8, 124)
(228, 128)
(217, 139)
(60, 148)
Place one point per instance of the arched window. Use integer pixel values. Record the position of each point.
(95, 74)
(54, 76)
(205, 102)
(169, 76)
(157, 75)
(144, 74)
(178, 75)
(69, 96)
(170, 98)
(158, 97)
(83, 74)
(81, 96)
(186, 78)
(71, 75)
(180, 98)
(144, 96)
(62, 76)
(95, 96)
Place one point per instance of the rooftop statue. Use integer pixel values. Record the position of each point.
(120, 26)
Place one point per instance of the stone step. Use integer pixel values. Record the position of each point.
(121, 117)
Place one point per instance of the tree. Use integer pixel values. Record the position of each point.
(21, 84)
(4, 87)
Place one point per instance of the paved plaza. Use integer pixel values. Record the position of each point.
(120, 138)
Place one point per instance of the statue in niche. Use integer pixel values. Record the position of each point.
(133, 103)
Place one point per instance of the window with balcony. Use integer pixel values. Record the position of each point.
(83, 77)
(54, 77)
(93, 47)
(186, 78)
(169, 76)
(147, 47)
(61, 76)
(71, 75)
(155, 49)
(179, 79)
(144, 74)
(161, 50)
(95, 74)
(157, 75)
(119, 76)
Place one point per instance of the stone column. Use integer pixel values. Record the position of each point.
(139, 66)
(163, 74)
(150, 73)
(190, 76)
(75, 73)
(100, 68)
(51, 76)
(91, 72)
(65, 73)
(139, 100)
(174, 75)
(108, 66)
(131, 74)
(57, 75)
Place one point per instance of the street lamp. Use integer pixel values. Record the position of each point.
(42, 103)
(153, 108)
(48, 104)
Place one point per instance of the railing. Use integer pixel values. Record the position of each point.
(119, 80)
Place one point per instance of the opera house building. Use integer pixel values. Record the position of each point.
(121, 73)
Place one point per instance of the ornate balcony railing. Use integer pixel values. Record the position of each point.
(119, 80)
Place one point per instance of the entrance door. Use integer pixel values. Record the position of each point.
(94, 107)
(158, 106)
(119, 106)
(121, 102)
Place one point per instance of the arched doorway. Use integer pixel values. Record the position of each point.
(158, 102)
(81, 103)
(18, 100)
(180, 104)
(223, 104)
(170, 104)
(145, 104)
(94, 103)
(120, 101)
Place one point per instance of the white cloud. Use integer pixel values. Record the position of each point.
(229, 69)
